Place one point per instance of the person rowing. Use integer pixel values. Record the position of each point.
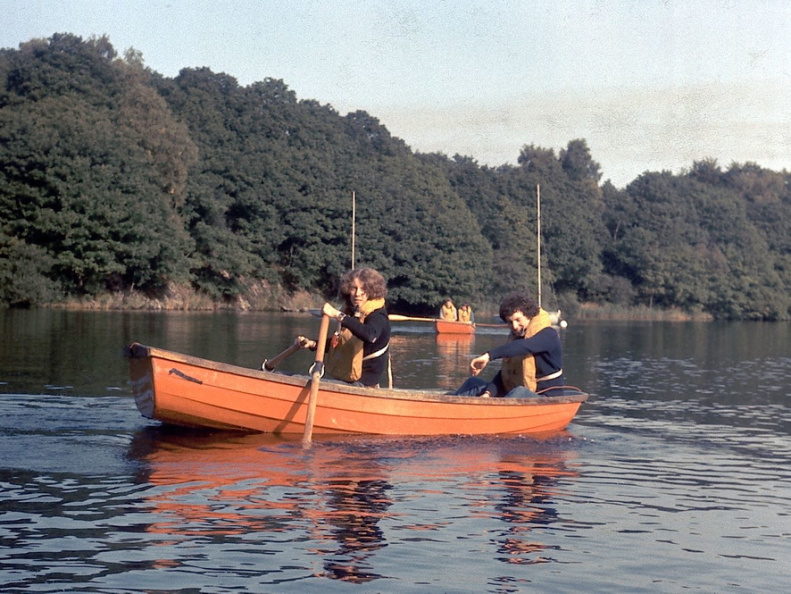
(358, 351)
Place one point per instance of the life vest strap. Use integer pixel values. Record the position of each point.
(551, 376)
(378, 353)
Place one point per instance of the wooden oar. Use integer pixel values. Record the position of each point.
(315, 377)
(399, 318)
(270, 364)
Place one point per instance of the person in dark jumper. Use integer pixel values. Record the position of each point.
(532, 357)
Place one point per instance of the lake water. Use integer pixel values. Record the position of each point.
(674, 476)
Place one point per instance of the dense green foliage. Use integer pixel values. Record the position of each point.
(114, 178)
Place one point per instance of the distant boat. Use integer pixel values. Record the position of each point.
(453, 327)
(188, 391)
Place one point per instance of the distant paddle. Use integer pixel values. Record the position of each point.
(399, 318)
(316, 371)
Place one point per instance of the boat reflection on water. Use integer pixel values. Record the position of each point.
(515, 482)
(454, 352)
(335, 500)
(222, 485)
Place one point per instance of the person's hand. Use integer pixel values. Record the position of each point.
(304, 343)
(479, 364)
(329, 310)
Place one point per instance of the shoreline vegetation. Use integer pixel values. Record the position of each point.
(265, 297)
(642, 313)
(121, 188)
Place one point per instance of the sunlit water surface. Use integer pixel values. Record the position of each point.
(674, 476)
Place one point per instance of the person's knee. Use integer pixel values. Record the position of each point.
(522, 392)
(472, 386)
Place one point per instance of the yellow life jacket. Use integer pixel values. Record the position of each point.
(521, 371)
(448, 312)
(345, 351)
(465, 314)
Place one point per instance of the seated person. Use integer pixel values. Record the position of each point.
(465, 314)
(357, 353)
(448, 311)
(532, 357)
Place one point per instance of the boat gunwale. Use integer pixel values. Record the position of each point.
(455, 322)
(462, 327)
(140, 351)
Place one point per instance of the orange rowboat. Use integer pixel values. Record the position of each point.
(453, 327)
(188, 391)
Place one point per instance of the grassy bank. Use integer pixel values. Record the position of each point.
(590, 311)
(262, 296)
(259, 297)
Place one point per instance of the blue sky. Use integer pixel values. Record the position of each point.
(651, 85)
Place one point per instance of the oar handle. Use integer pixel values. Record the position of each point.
(316, 372)
(270, 364)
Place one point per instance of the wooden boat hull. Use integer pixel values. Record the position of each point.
(192, 392)
(453, 327)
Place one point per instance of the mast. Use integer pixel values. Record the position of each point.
(538, 238)
(354, 216)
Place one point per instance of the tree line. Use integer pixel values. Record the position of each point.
(115, 178)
